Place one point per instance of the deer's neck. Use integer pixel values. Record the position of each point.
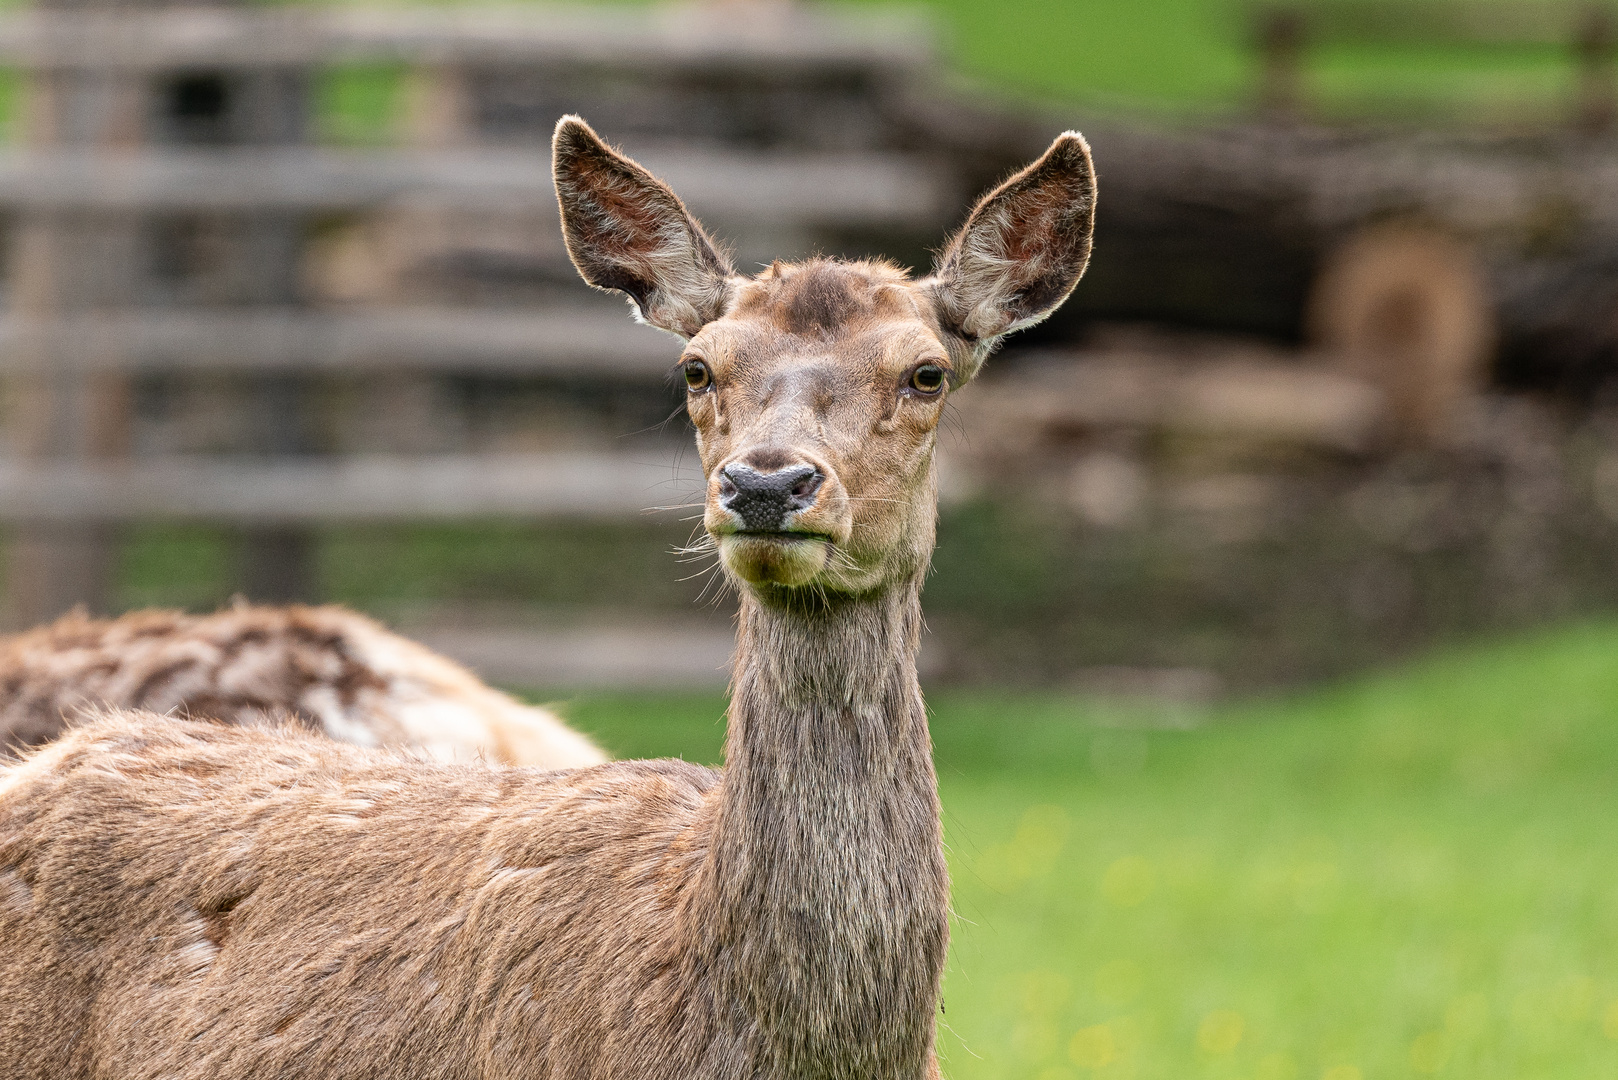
(826, 879)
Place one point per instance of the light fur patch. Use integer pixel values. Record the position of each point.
(17, 777)
(15, 893)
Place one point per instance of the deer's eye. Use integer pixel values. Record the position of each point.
(697, 376)
(927, 379)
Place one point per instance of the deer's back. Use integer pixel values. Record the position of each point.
(333, 670)
(187, 900)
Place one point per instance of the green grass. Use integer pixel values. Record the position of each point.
(1174, 55)
(385, 568)
(1155, 52)
(359, 105)
(1413, 874)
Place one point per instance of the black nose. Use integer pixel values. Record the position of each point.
(763, 500)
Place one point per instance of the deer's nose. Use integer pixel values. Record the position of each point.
(764, 499)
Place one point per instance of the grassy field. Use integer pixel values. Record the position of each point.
(1178, 55)
(1413, 874)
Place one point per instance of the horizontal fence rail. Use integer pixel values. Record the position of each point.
(774, 38)
(357, 488)
(561, 341)
(738, 188)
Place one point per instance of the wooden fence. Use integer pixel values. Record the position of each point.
(170, 218)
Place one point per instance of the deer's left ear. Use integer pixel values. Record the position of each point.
(1022, 249)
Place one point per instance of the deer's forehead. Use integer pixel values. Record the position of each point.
(824, 296)
(851, 319)
(836, 326)
(875, 349)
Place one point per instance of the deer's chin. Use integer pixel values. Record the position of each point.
(775, 558)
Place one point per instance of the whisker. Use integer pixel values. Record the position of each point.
(659, 426)
(844, 559)
(695, 551)
(952, 416)
(674, 506)
(719, 585)
(698, 574)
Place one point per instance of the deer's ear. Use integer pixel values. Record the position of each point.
(626, 230)
(1022, 249)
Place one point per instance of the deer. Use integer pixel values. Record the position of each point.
(329, 668)
(184, 900)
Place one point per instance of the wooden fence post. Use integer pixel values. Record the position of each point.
(1595, 47)
(63, 262)
(248, 258)
(1282, 34)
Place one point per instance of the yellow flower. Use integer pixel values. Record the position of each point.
(1277, 1066)
(1093, 1047)
(1429, 1052)
(1220, 1032)
(1609, 1020)
(1118, 983)
(1128, 882)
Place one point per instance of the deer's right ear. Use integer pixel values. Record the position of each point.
(626, 230)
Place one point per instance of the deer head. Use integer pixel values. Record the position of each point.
(816, 387)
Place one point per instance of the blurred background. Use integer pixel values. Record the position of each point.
(287, 315)
(1271, 637)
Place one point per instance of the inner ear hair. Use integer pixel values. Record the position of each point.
(1022, 250)
(627, 231)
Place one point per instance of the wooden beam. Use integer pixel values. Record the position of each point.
(648, 651)
(574, 340)
(774, 39)
(354, 488)
(724, 186)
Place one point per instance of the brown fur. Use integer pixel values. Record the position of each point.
(822, 297)
(187, 901)
(335, 671)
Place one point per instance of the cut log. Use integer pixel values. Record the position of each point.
(1406, 307)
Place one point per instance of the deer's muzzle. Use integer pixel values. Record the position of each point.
(777, 516)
